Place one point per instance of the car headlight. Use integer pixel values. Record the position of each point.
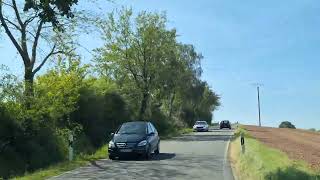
(111, 144)
(142, 143)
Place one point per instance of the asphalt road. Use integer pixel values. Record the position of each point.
(199, 155)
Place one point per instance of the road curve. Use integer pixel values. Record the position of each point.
(194, 156)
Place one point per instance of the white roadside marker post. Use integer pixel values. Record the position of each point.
(70, 147)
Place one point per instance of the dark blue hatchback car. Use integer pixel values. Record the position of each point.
(137, 138)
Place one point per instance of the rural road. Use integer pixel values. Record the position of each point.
(194, 156)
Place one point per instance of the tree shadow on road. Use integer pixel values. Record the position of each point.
(94, 163)
(291, 173)
(159, 157)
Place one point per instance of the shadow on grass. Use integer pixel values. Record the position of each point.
(291, 173)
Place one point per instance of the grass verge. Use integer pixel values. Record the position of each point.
(62, 167)
(260, 162)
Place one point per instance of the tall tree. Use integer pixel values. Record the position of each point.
(33, 23)
(135, 50)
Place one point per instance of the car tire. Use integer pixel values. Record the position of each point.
(148, 154)
(157, 151)
(112, 157)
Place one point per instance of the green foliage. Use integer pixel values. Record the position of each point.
(131, 55)
(58, 91)
(141, 73)
(100, 114)
(51, 10)
(287, 124)
(151, 68)
(26, 148)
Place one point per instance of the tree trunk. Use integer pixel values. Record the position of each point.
(28, 89)
(171, 103)
(143, 105)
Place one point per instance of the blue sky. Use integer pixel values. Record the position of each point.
(275, 43)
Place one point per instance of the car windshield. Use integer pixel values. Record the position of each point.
(201, 123)
(132, 128)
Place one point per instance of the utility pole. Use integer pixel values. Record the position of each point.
(258, 90)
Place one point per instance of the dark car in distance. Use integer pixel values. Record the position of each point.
(225, 124)
(134, 139)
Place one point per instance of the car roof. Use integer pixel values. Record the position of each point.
(136, 122)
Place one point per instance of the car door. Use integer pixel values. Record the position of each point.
(152, 139)
(156, 136)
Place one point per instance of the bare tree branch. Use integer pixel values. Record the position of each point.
(8, 32)
(16, 11)
(12, 23)
(7, 4)
(51, 53)
(29, 20)
(23, 32)
(35, 42)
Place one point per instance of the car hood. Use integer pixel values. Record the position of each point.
(128, 137)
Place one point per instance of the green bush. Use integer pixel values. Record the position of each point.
(287, 124)
(100, 115)
(82, 144)
(160, 121)
(27, 149)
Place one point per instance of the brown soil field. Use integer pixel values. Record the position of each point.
(298, 144)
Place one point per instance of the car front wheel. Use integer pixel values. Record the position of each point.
(148, 154)
(111, 157)
(157, 151)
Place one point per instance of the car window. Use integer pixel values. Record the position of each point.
(153, 128)
(201, 123)
(150, 130)
(132, 128)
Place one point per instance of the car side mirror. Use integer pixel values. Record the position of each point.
(112, 134)
(151, 134)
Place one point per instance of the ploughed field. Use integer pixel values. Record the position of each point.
(298, 144)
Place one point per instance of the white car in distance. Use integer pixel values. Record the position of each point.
(201, 126)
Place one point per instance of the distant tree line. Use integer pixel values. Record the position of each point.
(287, 124)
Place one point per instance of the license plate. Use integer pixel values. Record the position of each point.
(125, 150)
